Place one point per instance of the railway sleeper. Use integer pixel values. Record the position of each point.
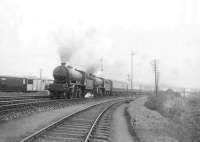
(102, 134)
(104, 124)
(85, 117)
(66, 134)
(73, 128)
(70, 130)
(103, 131)
(99, 138)
(79, 121)
(70, 140)
(78, 124)
(104, 128)
(59, 139)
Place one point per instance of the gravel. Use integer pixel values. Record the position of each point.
(27, 110)
(21, 94)
(15, 130)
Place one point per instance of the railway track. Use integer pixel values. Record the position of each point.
(9, 98)
(6, 100)
(18, 101)
(90, 124)
(101, 130)
(9, 108)
(24, 106)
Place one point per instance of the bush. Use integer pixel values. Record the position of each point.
(183, 112)
(155, 102)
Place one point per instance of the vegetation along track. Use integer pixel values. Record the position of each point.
(90, 124)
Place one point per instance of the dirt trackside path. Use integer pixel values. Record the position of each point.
(119, 126)
(149, 126)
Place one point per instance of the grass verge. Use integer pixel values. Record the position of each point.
(182, 112)
(130, 125)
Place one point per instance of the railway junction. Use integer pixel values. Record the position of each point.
(103, 119)
(78, 106)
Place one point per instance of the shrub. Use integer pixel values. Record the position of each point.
(184, 113)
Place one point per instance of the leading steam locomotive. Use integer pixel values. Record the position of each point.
(74, 83)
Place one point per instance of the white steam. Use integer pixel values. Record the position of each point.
(89, 95)
(83, 47)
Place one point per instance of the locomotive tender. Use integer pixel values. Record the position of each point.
(74, 83)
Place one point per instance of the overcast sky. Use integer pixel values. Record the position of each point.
(32, 32)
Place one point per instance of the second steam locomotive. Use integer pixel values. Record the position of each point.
(74, 83)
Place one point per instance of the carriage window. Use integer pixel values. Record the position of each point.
(30, 81)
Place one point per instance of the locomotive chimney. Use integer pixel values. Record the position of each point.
(63, 63)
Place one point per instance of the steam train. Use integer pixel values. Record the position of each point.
(73, 83)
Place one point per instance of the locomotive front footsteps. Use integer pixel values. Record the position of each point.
(74, 83)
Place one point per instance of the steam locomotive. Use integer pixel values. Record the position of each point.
(74, 83)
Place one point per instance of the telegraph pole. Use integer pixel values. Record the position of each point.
(128, 79)
(132, 54)
(101, 60)
(40, 73)
(156, 75)
(40, 79)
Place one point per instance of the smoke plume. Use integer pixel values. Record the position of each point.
(69, 42)
(81, 47)
(93, 68)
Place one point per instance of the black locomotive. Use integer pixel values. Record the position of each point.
(74, 83)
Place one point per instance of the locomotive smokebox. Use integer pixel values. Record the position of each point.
(63, 63)
(60, 73)
(64, 73)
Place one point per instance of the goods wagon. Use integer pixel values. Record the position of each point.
(36, 84)
(23, 84)
(8, 83)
